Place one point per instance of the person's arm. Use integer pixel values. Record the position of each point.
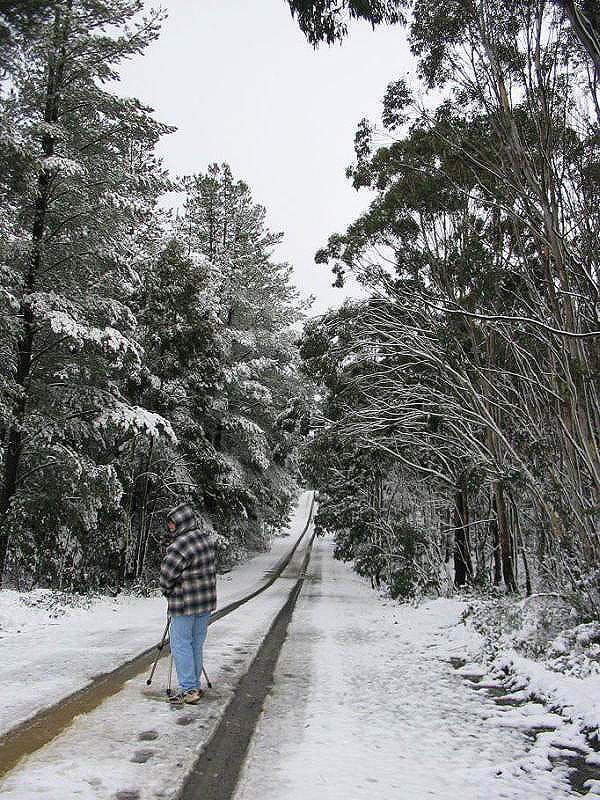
(171, 568)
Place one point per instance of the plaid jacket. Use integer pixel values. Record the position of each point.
(188, 576)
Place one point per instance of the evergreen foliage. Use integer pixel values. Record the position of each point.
(80, 182)
(251, 428)
(141, 362)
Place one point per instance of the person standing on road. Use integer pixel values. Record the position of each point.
(188, 579)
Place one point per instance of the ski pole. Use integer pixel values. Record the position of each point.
(208, 683)
(170, 675)
(160, 647)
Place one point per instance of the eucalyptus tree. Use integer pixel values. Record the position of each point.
(482, 235)
(504, 268)
(82, 177)
(517, 62)
(327, 20)
(426, 241)
(369, 492)
(584, 16)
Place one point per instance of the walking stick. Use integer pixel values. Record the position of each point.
(160, 647)
(208, 683)
(170, 675)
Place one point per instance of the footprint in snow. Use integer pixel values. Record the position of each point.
(141, 756)
(148, 736)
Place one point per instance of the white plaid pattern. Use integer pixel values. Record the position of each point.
(188, 575)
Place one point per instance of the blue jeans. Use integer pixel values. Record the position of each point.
(188, 632)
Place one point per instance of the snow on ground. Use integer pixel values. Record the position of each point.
(135, 747)
(49, 652)
(132, 746)
(366, 704)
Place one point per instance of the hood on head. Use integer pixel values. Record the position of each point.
(184, 518)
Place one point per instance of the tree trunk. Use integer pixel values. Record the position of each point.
(463, 565)
(497, 577)
(144, 523)
(218, 436)
(521, 545)
(584, 28)
(150, 520)
(526, 568)
(505, 539)
(448, 536)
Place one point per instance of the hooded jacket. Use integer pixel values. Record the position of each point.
(188, 576)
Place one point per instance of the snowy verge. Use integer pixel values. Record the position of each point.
(532, 644)
(576, 699)
(556, 696)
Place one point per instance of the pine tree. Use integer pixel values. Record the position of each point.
(82, 176)
(256, 309)
(179, 378)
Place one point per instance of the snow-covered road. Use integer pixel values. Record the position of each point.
(129, 746)
(48, 655)
(365, 704)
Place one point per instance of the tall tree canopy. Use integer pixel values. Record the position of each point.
(256, 309)
(142, 361)
(476, 359)
(80, 180)
(327, 20)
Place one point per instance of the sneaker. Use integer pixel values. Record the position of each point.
(192, 696)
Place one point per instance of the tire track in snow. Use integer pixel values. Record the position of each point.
(216, 772)
(29, 736)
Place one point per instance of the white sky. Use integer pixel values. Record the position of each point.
(242, 85)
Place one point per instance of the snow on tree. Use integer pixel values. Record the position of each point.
(81, 176)
(481, 249)
(256, 310)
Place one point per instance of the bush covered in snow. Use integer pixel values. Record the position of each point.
(55, 603)
(540, 627)
(576, 651)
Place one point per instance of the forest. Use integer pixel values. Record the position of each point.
(460, 411)
(146, 357)
(449, 420)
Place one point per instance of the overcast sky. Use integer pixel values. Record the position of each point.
(243, 86)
